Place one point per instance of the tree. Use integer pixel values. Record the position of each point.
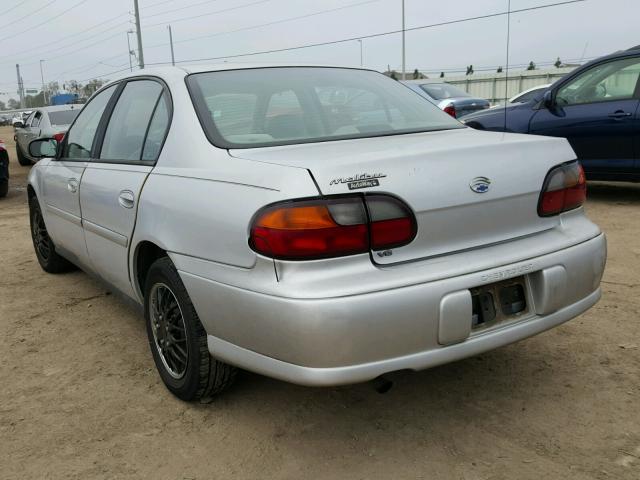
(558, 63)
(53, 88)
(3, 106)
(470, 70)
(417, 75)
(13, 104)
(394, 75)
(499, 69)
(34, 101)
(441, 74)
(532, 66)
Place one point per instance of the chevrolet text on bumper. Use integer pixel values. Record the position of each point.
(313, 224)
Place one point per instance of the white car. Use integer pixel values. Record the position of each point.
(534, 93)
(313, 224)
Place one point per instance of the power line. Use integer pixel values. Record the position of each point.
(207, 14)
(374, 35)
(156, 4)
(276, 22)
(181, 8)
(38, 47)
(19, 4)
(14, 22)
(51, 18)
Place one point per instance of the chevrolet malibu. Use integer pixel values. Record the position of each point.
(313, 224)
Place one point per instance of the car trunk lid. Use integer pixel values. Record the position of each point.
(468, 189)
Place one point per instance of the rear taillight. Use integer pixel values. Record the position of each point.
(565, 188)
(331, 227)
(451, 110)
(59, 137)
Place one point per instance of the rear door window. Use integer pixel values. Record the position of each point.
(63, 117)
(125, 134)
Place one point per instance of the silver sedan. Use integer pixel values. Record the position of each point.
(45, 122)
(312, 224)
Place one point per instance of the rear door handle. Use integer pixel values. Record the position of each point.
(619, 114)
(72, 185)
(126, 199)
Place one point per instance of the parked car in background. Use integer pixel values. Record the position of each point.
(4, 170)
(5, 120)
(596, 107)
(317, 225)
(453, 100)
(535, 93)
(50, 122)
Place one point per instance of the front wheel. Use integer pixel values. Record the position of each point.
(49, 260)
(177, 339)
(4, 187)
(22, 160)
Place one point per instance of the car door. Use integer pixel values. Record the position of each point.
(111, 184)
(595, 111)
(61, 180)
(23, 134)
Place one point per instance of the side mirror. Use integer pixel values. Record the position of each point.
(547, 99)
(43, 147)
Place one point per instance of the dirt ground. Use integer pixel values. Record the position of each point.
(80, 397)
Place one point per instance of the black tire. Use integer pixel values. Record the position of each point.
(49, 260)
(167, 307)
(22, 160)
(4, 187)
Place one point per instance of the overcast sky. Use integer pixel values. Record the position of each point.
(90, 39)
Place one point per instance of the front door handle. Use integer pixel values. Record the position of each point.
(126, 199)
(619, 114)
(72, 185)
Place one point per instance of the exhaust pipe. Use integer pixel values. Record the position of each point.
(382, 384)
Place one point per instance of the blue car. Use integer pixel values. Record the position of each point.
(596, 107)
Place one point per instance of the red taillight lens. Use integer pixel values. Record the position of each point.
(59, 137)
(565, 188)
(331, 227)
(451, 110)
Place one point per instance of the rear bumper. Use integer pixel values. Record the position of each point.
(354, 338)
(346, 375)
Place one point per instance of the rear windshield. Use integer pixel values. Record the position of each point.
(63, 117)
(442, 91)
(281, 106)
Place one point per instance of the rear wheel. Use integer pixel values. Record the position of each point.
(22, 160)
(177, 339)
(4, 187)
(49, 260)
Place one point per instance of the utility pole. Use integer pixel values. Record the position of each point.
(139, 34)
(361, 58)
(20, 86)
(129, 47)
(44, 93)
(173, 58)
(404, 57)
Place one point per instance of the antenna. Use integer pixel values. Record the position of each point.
(506, 73)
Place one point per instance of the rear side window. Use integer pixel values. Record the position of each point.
(81, 135)
(125, 134)
(64, 117)
(157, 131)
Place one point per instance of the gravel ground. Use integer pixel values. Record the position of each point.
(80, 397)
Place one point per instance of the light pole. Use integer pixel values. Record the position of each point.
(361, 58)
(139, 35)
(404, 58)
(129, 50)
(173, 58)
(44, 93)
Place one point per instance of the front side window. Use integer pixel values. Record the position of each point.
(36, 119)
(124, 137)
(81, 135)
(615, 80)
(280, 106)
